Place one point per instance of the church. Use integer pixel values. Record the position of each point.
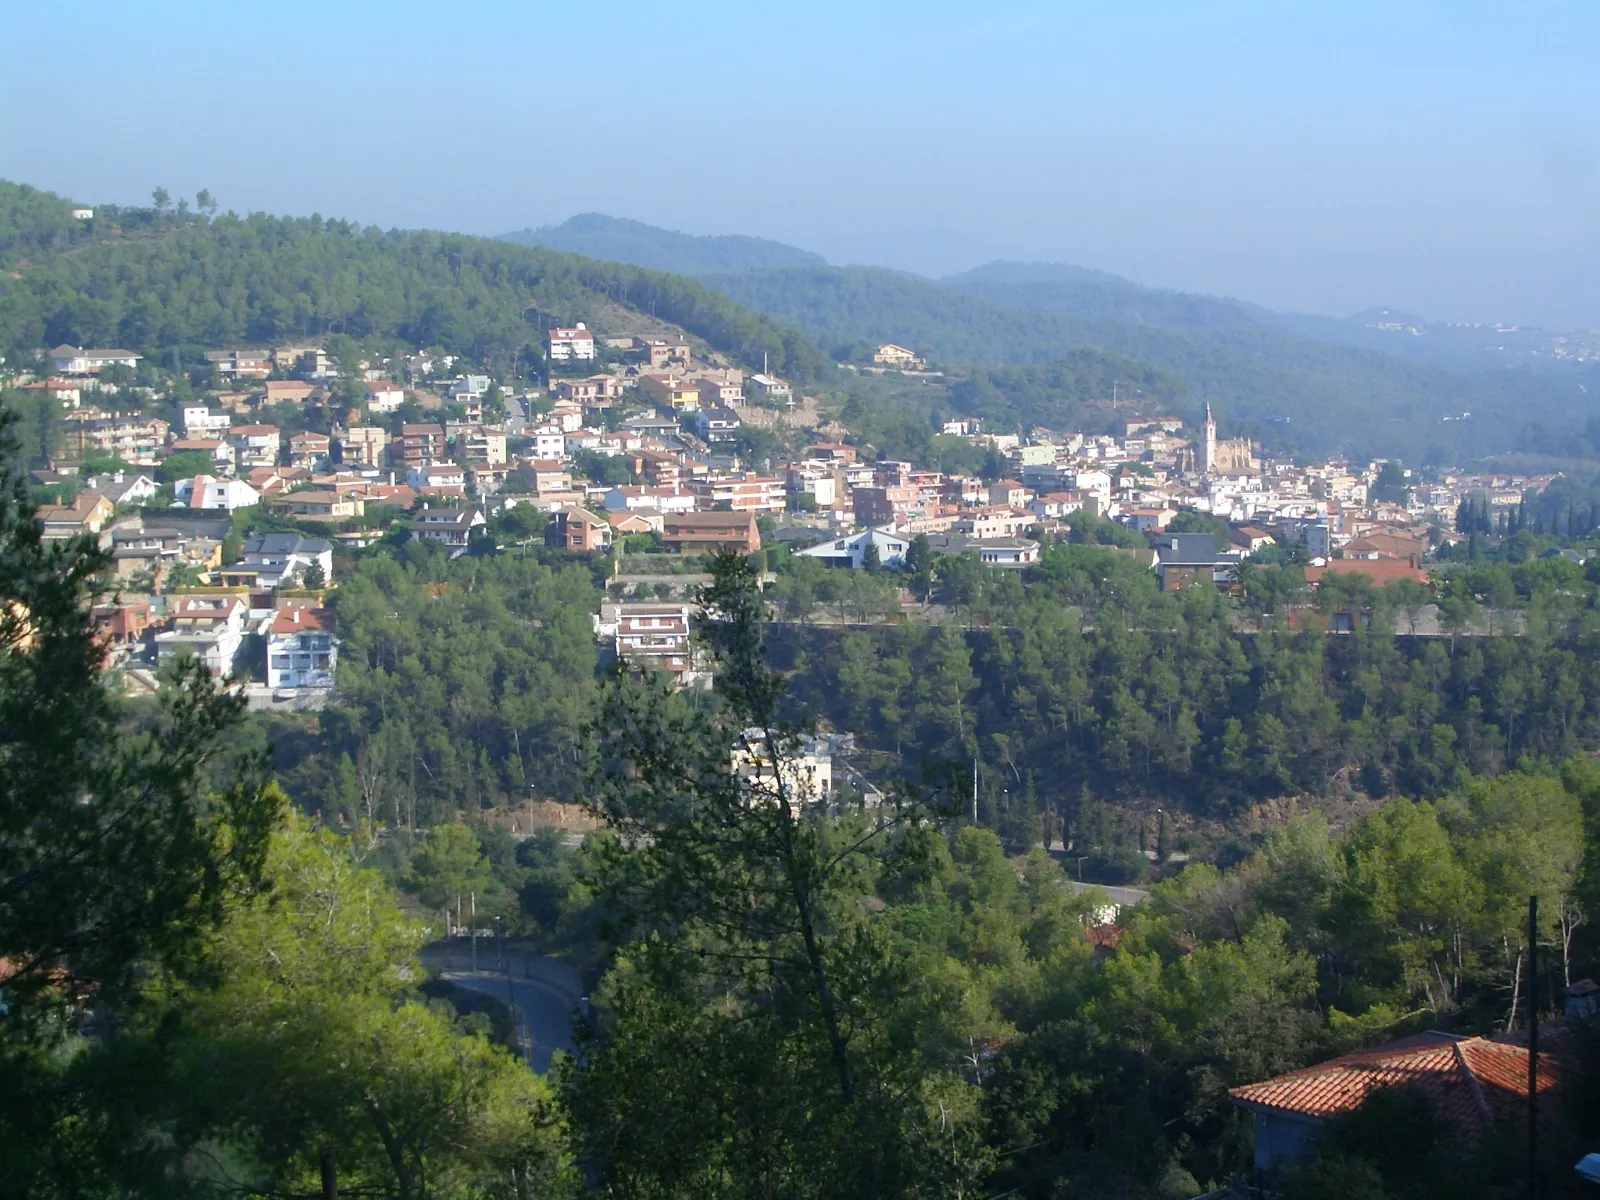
(1233, 456)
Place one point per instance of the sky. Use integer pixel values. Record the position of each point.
(1442, 158)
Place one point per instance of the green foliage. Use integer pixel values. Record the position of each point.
(462, 684)
(185, 466)
(313, 1050)
(122, 840)
(1272, 381)
(263, 279)
(620, 240)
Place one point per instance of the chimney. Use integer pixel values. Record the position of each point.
(297, 616)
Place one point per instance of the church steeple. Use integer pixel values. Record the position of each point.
(1208, 444)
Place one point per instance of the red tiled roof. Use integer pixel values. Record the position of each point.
(1470, 1082)
(301, 620)
(1382, 571)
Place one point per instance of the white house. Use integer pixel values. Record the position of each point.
(549, 441)
(207, 491)
(449, 527)
(301, 649)
(666, 500)
(384, 397)
(437, 475)
(75, 360)
(286, 557)
(211, 628)
(567, 344)
(467, 389)
(203, 421)
(851, 550)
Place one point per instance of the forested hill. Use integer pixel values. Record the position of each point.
(617, 238)
(1295, 393)
(149, 280)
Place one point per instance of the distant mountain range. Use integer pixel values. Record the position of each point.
(1380, 382)
(1085, 293)
(618, 239)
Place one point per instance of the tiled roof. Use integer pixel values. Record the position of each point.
(1470, 1082)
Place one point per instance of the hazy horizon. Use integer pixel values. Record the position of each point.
(1434, 158)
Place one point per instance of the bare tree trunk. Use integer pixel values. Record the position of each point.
(1516, 993)
(330, 1177)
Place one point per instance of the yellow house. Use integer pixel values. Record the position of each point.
(671, 391)
(890, 355)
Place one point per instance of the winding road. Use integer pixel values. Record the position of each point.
(541, 992)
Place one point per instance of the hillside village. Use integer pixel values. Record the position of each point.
(227, 525)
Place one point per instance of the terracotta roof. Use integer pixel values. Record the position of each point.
(1382, 571)
(302, 620)
(1470, 1082)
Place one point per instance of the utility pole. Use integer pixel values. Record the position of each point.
(473, 929)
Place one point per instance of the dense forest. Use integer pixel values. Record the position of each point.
(154, 281)
(1295, 393)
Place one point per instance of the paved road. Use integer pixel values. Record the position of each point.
(542, 991)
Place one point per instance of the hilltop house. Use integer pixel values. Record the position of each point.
(75, 360)
(896, 357)
(568, 344)
(207, 491)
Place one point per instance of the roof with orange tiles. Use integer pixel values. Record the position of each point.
(302, 620)
(1470, 1082)
(1381, 571)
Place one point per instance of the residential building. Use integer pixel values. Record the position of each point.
(578, 531)
(832, 452)
(241, 364)
(741, 492)
(385, 397)
(1189, 558)
(569, 344)
(210, 627)
(994, 522)
(798, 775)
(302, 651)
(449, 527)
(485, 446)
(896, 357)
(716, 424)
(597, 391)
(364, 445)
(544, 476)
(652, 637)
(88, 513)
(120, 487)
(437, 475)
(89, 432)
(203, 421)
(75, 360)
(992, 552)
(218, 451)
(1380, 572)
(290, 391)
(770, 388)
(659, 352)
(664, 500)
(724, 389)
(68, 393)
(1471, 1085)
(209, 492)
(419, 445)
(309, 451)
(884, 505)
(489, 479)
(660, 468)
(702, 532)
(319, 504)
(549, 441)
(1008, 491)
(851, 550)
(279, 558)
(255, 445)
(670, 391)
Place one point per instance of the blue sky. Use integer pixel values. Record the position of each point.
(1440, 157)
